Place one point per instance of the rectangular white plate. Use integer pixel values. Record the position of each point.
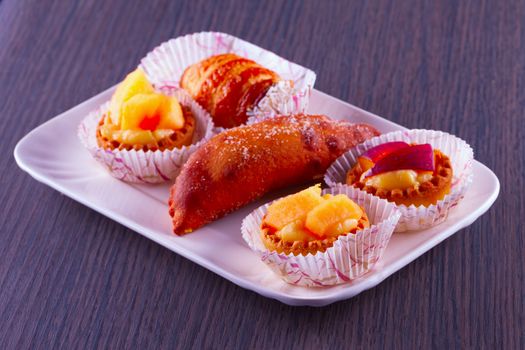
(53, 155)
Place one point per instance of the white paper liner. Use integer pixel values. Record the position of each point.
(146, 166)
(350, 257)
(165, 64)
(281, 99)
(417, 218)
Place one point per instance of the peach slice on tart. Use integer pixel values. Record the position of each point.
(293, 207)
(408, 175)
(140, 118)
(330, 213)
(134, 83)
(308, 222)
(141, 112)
(171, 115)
(295, 231)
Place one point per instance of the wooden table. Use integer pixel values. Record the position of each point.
(71, 278)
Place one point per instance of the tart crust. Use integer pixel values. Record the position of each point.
(181, 137)
(274, 243)
(426, 194)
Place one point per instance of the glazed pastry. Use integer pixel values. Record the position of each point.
(227, 86)
(141, 119)
(402, 173)
(241, 164)
(307, 223)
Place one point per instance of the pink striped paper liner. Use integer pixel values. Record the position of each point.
(165, 64)
(350, 257)
(417, 218)
(146, 166)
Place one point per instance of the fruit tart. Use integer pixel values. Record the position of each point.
(145, 134)
(140, 118)
(307, 222)
(407, 174)
(424, 172)
(320, 238)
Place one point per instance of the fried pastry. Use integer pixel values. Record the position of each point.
(244, 163)
(228, 86)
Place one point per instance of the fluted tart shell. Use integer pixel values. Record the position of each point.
(274, 243)
(180, 137)
(426, 194)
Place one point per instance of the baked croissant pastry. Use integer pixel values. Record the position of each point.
(241, 164)
(227, 86)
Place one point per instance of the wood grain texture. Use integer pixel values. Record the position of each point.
(71, 278)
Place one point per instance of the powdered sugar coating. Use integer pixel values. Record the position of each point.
(243, 163)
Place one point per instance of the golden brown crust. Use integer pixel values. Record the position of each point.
(181, 137)
(227, 86)
(274, 243)
(428, 192)
(243, 163)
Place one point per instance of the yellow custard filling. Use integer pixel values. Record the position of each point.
(138, 115)
(133, 137)
(398, 179)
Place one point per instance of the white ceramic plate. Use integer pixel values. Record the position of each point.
(53, 155)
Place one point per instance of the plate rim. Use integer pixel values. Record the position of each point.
(360, 285)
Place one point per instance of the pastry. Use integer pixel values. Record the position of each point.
(241, 164)
(406, 174)
(307, 223)
(227, 86)
(139, 118)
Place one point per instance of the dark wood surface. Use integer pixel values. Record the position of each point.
(71, 278)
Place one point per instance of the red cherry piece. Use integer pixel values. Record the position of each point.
(150, 123)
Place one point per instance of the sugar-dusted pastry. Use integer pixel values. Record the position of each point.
(407, 174)
(227, 86)
(307, 223)
(241, 164)
(139, 118)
